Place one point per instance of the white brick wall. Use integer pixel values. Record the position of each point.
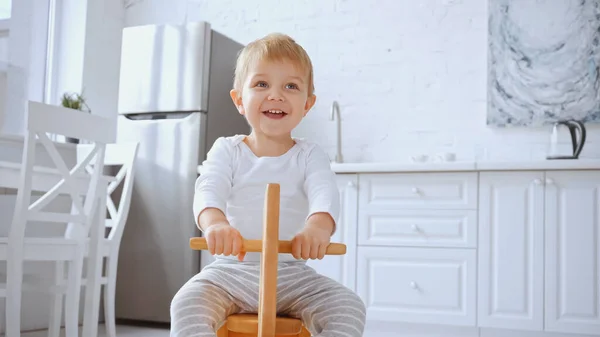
(410, 76)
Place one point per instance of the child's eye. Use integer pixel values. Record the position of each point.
(261, 84)
(292, 86)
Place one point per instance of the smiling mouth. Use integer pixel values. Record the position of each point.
(274, 113)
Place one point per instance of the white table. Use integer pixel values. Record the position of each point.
(11, 150)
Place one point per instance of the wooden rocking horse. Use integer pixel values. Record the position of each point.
(266, 323)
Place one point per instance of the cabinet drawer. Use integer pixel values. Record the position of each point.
(451, 190)
(431, 228)
(418, 285)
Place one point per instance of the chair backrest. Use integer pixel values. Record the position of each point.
(119, 160)
(44, 119)
(267, 293)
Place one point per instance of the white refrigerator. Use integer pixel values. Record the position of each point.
(174, 100)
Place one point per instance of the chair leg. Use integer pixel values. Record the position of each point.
(109, 296)
(56, 301)
(72, 296)
(55, 315)
(14, 283)
(3, 318)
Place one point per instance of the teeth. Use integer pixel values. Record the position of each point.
(275, 111)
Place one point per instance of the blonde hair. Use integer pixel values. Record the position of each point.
(273, 47)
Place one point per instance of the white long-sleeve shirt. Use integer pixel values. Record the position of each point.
(233, 179)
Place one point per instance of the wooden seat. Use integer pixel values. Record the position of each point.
(248, 324)
(266, 323)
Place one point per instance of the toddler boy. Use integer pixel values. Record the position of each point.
(273, 89)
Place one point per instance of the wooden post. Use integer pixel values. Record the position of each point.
(267, 306)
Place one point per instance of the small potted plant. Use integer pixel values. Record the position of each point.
(76, 101)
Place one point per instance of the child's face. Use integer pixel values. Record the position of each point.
(274, 98)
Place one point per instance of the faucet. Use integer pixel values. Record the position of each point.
(335, 110)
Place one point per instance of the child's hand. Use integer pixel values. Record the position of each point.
(311, 242)
(224, 239)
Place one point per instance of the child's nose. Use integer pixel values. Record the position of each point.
(275, 95)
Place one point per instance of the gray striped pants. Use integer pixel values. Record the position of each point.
(227, 287)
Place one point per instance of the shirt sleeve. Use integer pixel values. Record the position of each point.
(214, 183)
(321, 185)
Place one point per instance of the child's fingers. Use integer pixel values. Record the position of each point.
(219, 245)
(296, 248)
(227, 243)
(210, 241)
(306, 247)
(314, 251)
(236, 245)
(322, 251)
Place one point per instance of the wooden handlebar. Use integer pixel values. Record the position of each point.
(285, 247)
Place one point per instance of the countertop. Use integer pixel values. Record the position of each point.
(563, 164)
(523, 165)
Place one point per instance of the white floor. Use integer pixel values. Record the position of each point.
(122, 331)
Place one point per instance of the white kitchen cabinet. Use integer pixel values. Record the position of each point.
(342, 268)
(418, 227)
(506, 251)
(539, 258)
(416, 258)
(418, 285)
(438, 190)
(511, 248)
(418, 209)
(572, 268)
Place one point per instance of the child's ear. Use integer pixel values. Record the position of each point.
(236, 97)
(310, 102)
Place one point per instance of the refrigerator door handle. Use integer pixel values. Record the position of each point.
(159, 116)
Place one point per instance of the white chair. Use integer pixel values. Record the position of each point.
(122, 156)
(80, 221)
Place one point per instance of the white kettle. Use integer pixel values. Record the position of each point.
(567, 131)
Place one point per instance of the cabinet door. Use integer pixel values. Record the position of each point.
(572, 252)
(511, 220)
(418, 285)
(343, 268)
